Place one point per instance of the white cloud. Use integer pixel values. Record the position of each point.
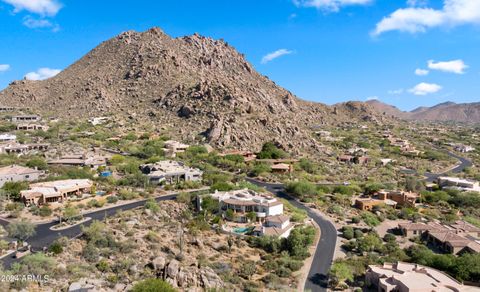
(396, 91)
(42, 73)
(425, 88)
(421, 72)
(4, 67)
(272, 56)
(455, 66)
(417, 3)
(42, 7)
(31, 22)
(329, 5)
(419, 19)
(372, 98)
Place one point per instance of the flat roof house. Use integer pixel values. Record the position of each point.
(7, 137)
(247, 155)
(367, 204)
(31, 127)
(16, 173)
(401, 197)
(244, 201)
(278, 225)
(413, 229)
(173, 147)
(463, 148)
(26, 118)
(282, 168)
(407, 277)
(455, 238)
(81, 160)
(17, 148)
(458, 183)
(170, 172)
(55, 191)
(98, 120)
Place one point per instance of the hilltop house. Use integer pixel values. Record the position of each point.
(456, 238)
(458, 183)
(247, 155)
(355, 159)
(17, 173)
(390, 198)
(268, 211)
(98, 120)
(409, 277)
(55, 191)
(6, 109)
(170, 172)
(463, 148)
(7, 137)
(278, 225)
(172, 148)
(284, 165)
(26, 118)
(92, 161)
(367, 204)
(402, 198)
(17, 148)
(244, 201)
(31, 127)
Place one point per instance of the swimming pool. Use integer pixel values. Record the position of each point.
(241, 230)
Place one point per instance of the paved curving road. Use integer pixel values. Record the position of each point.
(463, 163)
(317, 279)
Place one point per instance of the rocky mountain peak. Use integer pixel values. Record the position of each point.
(194, 85)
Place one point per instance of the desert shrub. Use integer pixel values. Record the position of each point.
(55, 248)
(90, 253)
(152, 285)
(112, 199)
(45, 211)
(348, 232)
(103, 266)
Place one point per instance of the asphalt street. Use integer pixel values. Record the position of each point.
(317, 279)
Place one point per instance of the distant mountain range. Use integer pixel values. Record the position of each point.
(447, 111)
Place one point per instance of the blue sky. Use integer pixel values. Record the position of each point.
(321, 50)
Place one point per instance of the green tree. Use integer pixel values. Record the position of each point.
(340, 272)
(37, 162)
(210, 205)
(70, 213)
(271, 151)
(13, 189)
(21, 230)
(301, 189)
(261, 168)
(229, 214)
(252, 216)
(370, 242)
